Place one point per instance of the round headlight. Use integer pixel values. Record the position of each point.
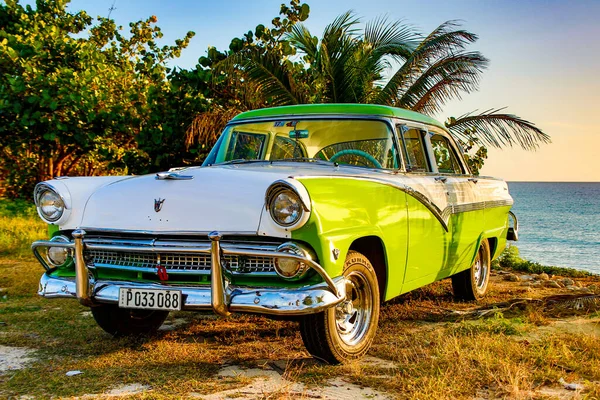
(286, 208)
(289, 268)
(51, 205)
(57, 256)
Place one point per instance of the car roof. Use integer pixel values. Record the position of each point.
(339, 109)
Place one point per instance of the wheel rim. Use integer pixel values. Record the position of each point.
(354, 314)
(480, 271)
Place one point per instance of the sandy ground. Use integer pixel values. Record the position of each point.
(269, 381)
(12, 358)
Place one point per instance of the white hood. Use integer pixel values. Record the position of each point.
(225, 199)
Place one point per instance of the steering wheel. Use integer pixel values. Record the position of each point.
(355, 152)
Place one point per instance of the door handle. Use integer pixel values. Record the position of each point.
(474, 180)
(441, 179)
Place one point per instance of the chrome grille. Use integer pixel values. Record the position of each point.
(190, 262)
(177, 262)
(141, 260)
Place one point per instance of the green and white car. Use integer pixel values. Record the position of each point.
(317, 213)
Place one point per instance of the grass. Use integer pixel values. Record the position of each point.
(436, 353)
(19, 226)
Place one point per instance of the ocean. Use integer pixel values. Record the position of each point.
(559, 223)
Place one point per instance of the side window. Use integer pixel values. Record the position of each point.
(247, 146)
(284, 147)
(445, 156)
(413, 149)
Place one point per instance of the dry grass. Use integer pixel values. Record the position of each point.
(520, 353)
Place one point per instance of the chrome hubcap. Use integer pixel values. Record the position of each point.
(353, 315)
(480, 272)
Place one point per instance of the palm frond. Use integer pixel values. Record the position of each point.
(393, 38)
(274, 79)
(267, 73)
(445, 40)
(382, 41)
(206, 127)
(498, 129)
(301, 38)
(344, 24)
(336, 53)
(440, 92)
(444, 80)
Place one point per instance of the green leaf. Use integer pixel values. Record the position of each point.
(304, 11)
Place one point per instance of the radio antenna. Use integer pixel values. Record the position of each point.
(112, 8)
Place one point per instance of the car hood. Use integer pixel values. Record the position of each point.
(226, 199)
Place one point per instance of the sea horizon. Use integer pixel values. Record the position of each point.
(559, 223)
(552, 181)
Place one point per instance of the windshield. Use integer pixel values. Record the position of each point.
(363, 143)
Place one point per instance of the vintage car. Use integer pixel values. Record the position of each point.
(317, 213)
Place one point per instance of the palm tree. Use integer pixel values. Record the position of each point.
(387, 63)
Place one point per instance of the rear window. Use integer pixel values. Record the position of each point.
(445, 156)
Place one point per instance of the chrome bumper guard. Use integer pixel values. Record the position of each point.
(221, 297)
(513, 231)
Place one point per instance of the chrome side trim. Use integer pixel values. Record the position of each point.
(480, 205)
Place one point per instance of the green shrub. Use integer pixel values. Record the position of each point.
(17, 208)
(511, 260)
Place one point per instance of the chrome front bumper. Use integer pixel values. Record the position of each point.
(220, 297)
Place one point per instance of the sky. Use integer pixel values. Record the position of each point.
(545, 62)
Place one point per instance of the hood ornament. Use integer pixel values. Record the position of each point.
(170, 175)
(158, 203)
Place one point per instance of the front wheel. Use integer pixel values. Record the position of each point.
(472, 283)
(345, 332)
(125, 322)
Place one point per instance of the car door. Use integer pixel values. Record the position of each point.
(427, 231)
(464, 212)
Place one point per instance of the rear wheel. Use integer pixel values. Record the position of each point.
(124, 322)
(472, 283)
(345, 332)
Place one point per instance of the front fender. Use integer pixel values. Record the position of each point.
(344, 210)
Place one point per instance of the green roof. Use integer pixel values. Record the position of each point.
(337, 109)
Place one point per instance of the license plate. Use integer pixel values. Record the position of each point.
(150, 299)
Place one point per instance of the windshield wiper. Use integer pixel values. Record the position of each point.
(241, 161)
(307, 159)
(296, 159)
